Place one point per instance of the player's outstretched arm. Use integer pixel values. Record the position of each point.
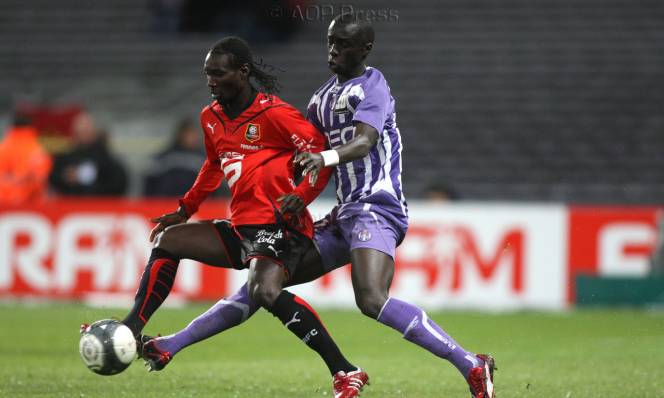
(208, 180)
(364, 138)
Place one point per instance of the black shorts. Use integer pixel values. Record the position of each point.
(283, 245)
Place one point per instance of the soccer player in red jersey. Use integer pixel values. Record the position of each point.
(251, 138)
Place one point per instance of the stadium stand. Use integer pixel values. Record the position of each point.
(503, 100)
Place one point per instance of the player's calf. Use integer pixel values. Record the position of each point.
(155, 285)
(370, 302)
(302, 320)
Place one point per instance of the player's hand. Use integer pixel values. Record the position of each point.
(166, 220)
(291, 203)
(312, 163)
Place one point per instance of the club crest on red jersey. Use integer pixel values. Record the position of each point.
(253, 132)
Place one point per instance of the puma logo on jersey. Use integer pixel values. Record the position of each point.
(211, 127)
(294, 320)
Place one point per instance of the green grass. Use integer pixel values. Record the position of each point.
(582, 354)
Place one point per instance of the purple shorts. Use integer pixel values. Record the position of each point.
(336, 237)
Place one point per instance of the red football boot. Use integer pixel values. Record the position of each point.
(349, 385)
(155, 359)
(480, 379)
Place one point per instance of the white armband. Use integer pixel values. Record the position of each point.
(330, 157)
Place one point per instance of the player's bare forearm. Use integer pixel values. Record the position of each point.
(364, 138)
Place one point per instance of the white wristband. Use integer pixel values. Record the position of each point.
(330, 157)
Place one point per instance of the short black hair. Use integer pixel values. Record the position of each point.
(365, 32)
(241, 54)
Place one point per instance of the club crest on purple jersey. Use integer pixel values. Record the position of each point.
(341, 105)
(364, 235)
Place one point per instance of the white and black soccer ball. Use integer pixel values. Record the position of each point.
(107, 347)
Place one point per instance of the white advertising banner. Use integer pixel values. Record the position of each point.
(481, 256)
(490, 257)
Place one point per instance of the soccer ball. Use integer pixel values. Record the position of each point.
(107, 347)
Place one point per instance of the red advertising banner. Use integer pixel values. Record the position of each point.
(74, 248)
(610, 241)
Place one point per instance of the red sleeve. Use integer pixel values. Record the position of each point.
(299, 133)
(208, 180)
(307, 192)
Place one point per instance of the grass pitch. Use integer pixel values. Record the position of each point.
(582, 354)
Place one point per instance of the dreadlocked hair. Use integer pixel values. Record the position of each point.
(241, 54)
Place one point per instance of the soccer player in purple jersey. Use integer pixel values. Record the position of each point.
(356, 112)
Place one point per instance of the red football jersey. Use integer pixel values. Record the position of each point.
(254, 153)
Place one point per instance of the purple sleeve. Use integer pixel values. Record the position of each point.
(372, 110)
(312, 117)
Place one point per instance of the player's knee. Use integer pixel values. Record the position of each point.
(263, 294)
(370, 303)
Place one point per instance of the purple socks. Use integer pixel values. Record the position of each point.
(225, 314)
(417, 328)
(409, 320)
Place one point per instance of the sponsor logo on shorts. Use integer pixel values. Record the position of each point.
(270, 237)
(275, 251)
(364, 235)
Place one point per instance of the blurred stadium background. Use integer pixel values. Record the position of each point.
(533, 162)
(558, 101)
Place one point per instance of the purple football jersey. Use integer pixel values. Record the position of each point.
(375, 180)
